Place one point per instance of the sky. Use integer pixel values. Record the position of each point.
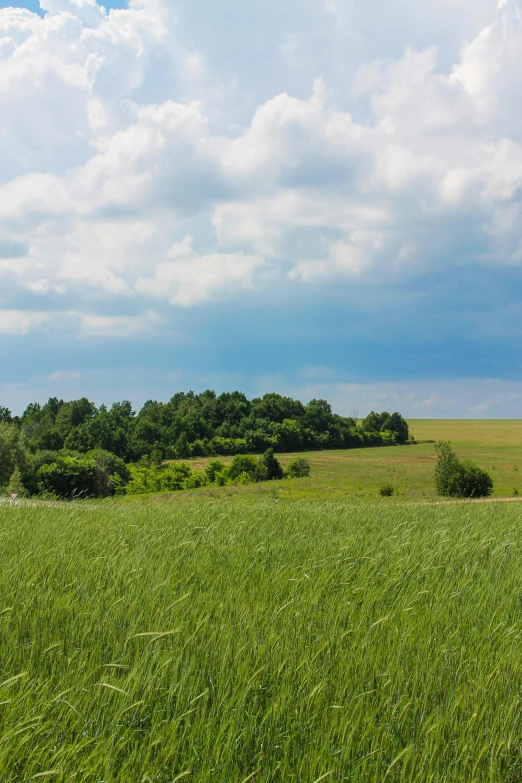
(317, 197)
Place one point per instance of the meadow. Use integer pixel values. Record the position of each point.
(357, 474)
(257, 639)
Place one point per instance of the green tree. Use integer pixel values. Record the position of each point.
(182, 446)
(11, 452)
(156, 455)
(16, 484)
(446, 468)
(272, 465)
(5, 415)
(79, 439)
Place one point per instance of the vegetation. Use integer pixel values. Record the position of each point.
(288, 642)
(454, 478)
(57, 447)
(358, 474)
(244, 469)
(298, 468)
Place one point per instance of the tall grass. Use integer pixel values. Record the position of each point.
(264, 642)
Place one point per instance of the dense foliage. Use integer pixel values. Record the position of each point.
(55, 445)
(458, 478)
(244, 469)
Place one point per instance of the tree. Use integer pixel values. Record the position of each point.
(79, 439)
(454, 478)
(272, 465)
(182, 446)
(398, 425)
(446, 468)
(16, 484)
(156, 455)
(5, 415)
(11, 453)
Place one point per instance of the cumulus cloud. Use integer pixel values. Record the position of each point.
(187, 278)
(116, 152)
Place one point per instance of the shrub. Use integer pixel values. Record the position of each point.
(454, 478)
(221, 479)
(272, 465)
(172, 478)
(68, 477)
(298, 468)
(387, 490)
(246, 463)
(195, 480)
(214, 468)
(169, 478)
(474, 482)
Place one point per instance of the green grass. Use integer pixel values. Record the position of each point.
(358, 474)
(266, 640)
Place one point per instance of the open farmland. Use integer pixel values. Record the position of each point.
(359, 473)
(267, 641)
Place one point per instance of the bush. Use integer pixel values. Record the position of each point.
(221, 479)
(246, 463)
(169, 478)
(196, 480)
(214, 468)
(172, 478)
(68, 477)
(298, 468)
(272, 465)
(473, 482)
(454, 478)
(387, 490)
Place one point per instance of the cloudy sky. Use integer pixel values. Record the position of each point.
(317, 197)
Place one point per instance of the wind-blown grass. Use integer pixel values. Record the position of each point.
(264, 641)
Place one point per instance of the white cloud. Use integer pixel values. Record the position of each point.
(120, 325)
(113, 155)
(20, 322)
(187, 278)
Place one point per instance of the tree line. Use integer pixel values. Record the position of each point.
(49, 443)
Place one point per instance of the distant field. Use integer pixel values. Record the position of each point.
(260, 641)
(358, 473)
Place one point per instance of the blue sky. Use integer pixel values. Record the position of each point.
(315, 197)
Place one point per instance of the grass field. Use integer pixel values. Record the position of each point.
(267, 641)
(359, 473)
